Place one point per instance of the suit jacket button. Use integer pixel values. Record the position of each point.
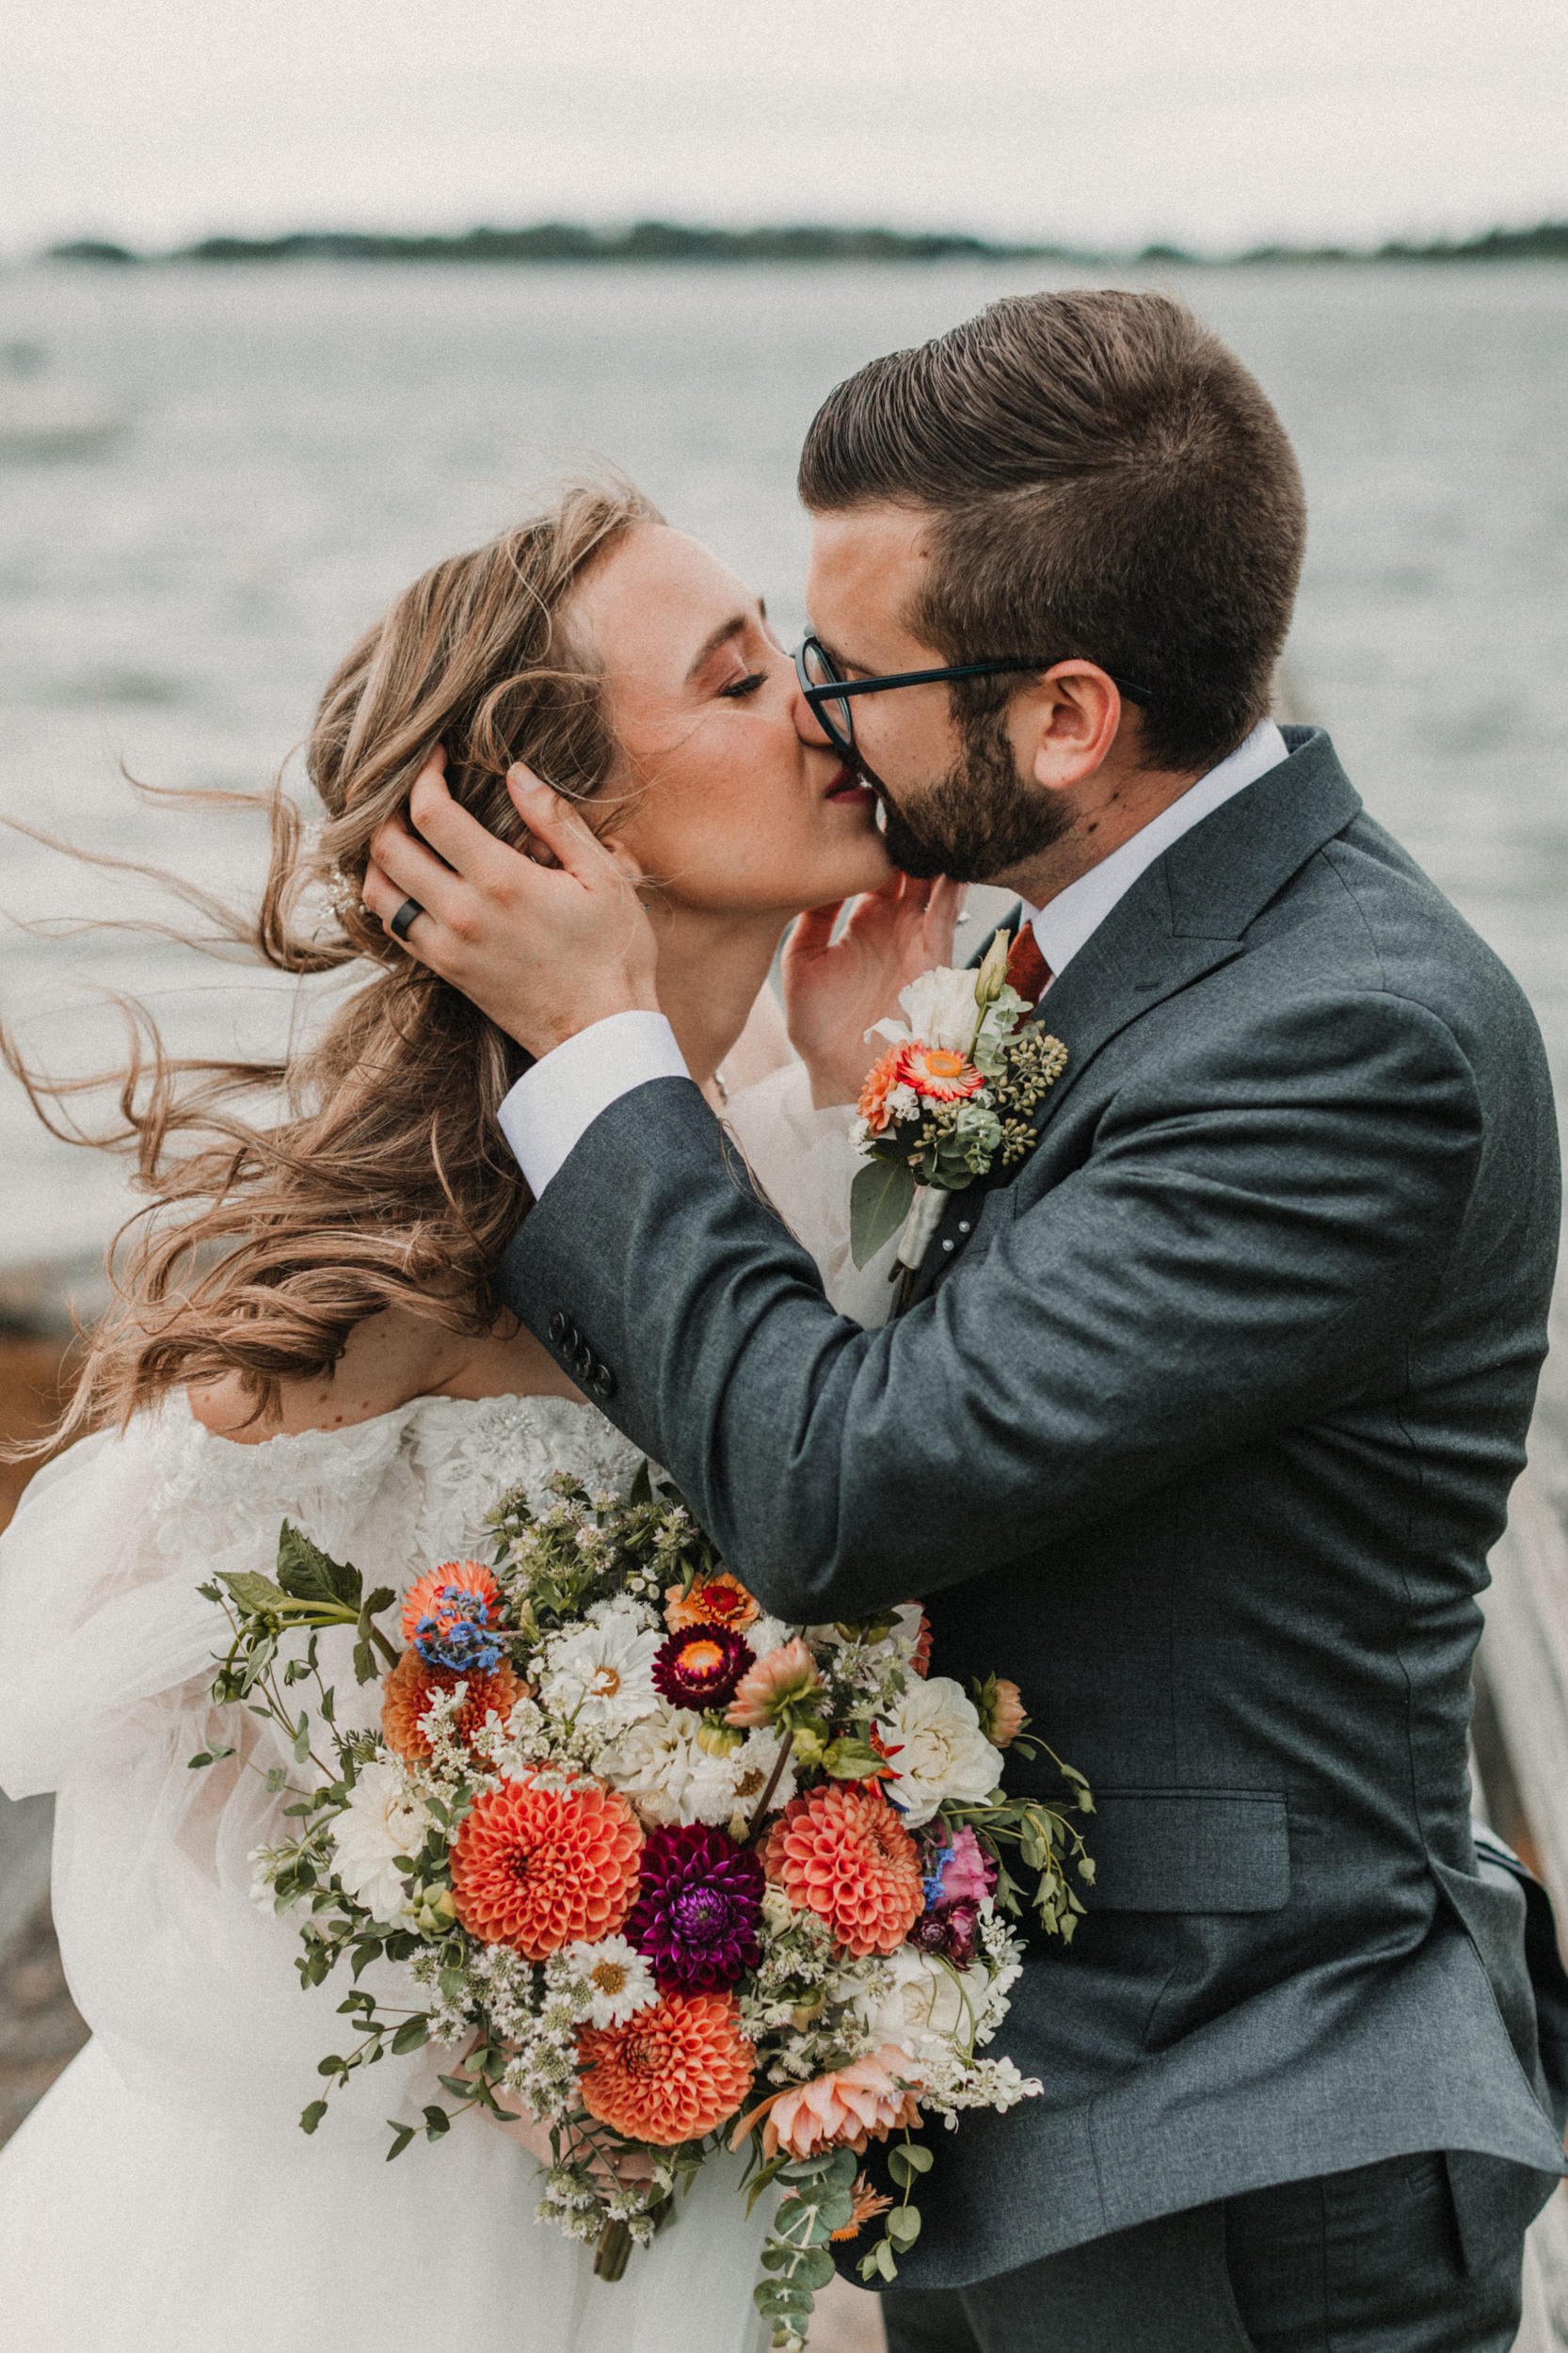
(558, 1328)
(585, 1361)
(964, 1226)
(948, 1243)
(604, 1381)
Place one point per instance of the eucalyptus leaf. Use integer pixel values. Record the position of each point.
(879, 1201)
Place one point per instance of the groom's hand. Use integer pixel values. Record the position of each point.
(544, 944)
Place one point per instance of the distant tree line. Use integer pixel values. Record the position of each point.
(667, 241)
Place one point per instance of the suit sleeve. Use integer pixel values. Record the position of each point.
(1258, 1223)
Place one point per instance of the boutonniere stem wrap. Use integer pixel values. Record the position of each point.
(953, 1097)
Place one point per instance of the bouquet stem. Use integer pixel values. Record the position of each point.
(920, 1226)
(614, 2251)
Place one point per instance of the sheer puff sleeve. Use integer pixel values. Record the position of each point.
(804, 1161)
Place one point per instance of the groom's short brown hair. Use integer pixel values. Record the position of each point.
(1108, 480)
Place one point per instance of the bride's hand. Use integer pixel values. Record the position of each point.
(530, 2133)
(545, 944)
(835, 989)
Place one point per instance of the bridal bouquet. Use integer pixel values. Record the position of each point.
(952, 1095)
(658, 1868)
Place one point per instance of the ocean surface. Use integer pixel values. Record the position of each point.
(277, 450)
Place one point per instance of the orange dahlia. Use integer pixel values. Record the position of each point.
(411, 1686)
(718, 1600)
(451, 1616)
(842, 1852)
(537, 1868)
(676, 2069)
(861, 2102)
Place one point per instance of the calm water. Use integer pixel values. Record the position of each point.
(293, 446)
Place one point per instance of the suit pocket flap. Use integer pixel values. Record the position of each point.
(1188, 1850)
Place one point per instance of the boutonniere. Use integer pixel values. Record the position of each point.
(951, 1099)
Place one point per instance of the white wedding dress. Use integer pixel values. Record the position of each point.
(162, 2195)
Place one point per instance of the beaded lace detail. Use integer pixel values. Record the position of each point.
(430, 1470)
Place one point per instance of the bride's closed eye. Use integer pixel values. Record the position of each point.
(738, 688)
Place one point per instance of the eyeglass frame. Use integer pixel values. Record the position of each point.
(840, 689)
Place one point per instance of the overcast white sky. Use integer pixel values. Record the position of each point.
(1214, 122)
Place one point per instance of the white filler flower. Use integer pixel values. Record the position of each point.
(941, 1751)
(600, 1674)
(384, 1819)
(613, 1979)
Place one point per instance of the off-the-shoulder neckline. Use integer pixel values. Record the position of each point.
(393, 1414)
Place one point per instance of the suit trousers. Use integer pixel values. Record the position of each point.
(1419, 2254)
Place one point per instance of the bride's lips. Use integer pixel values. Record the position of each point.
(847, 785)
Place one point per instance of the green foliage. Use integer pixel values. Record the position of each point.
(879, 1202)
(307, 1573)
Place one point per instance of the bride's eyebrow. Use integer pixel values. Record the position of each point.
(717, 637)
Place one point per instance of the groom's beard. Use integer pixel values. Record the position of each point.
(981, 820)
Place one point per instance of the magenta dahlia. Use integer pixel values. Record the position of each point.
(700, 1666)
(698, 1907)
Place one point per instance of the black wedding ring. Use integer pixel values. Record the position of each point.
(403, 922)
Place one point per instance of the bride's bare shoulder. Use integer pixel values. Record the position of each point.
(390, 1360)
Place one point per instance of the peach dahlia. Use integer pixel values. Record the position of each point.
(679, 2069)
(842, 1852)
(538, 1867)
(861, 2102)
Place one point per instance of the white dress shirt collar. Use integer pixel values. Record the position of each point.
(1063, 925)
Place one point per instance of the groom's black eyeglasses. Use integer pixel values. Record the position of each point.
(828, 694)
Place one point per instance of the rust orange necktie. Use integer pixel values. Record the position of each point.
(1027, 968)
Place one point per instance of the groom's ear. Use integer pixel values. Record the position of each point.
(1068, 720)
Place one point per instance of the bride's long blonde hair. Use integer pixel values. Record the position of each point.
(383, 1179)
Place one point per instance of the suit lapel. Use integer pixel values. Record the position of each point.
(1184, 917)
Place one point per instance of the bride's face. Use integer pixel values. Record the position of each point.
(725, 789)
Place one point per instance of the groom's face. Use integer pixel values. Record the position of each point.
(956, 799)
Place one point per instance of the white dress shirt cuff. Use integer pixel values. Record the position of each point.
(554, 1105)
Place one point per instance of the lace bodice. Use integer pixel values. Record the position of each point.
(425, 1474)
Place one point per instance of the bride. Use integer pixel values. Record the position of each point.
(308, 1326)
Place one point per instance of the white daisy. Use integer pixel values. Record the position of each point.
(600, 1674)
(614, 1977)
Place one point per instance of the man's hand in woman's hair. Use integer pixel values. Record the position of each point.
(545, 944)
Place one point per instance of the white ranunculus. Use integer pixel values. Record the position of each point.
(600, 1674)
(928, 1999)
(384, 1819)
(942, 1009)
(941, 1751)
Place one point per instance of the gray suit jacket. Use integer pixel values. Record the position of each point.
(1202, 1429)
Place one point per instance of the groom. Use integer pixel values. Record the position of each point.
(1205, 1422)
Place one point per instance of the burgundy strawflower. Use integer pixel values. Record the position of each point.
(700, 1666)
(698, 1907)
(953, 1931)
